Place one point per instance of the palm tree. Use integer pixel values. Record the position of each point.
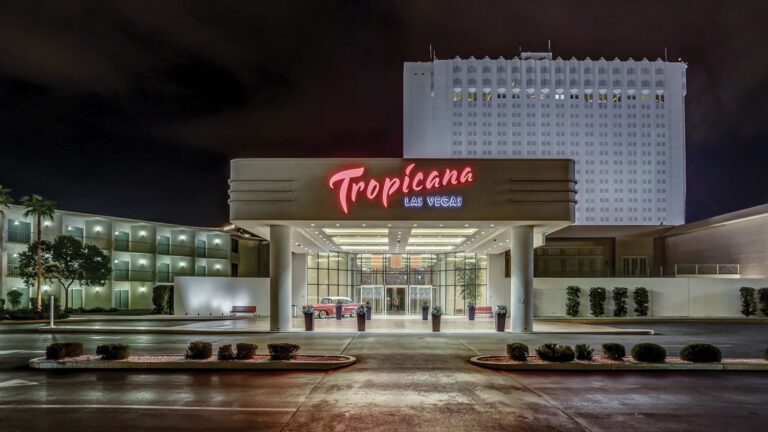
(5, 201)
(41, 209)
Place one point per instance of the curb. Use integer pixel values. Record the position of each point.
(182, 364)
(145, 330)
(631, 365)
(650, 320)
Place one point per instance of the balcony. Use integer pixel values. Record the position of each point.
(202, 252)
(181, 250)
(19, 236)
(134, 246)
(133, 275)
(14, 271)
(707, 270)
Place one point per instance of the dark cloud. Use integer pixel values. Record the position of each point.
(134, 108)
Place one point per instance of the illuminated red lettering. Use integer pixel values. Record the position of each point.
(419, 177)
(373, 189)
(433, 180)
(390, 187)
(345, 176)
(451, 176)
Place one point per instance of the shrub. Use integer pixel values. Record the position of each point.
(2, 304)
(619, 295)
(748, 301)
(583, 352)
(597, 301)
(437, 311)
(517, 351)
(501, 309)
(60, 350)
(701, 353)
(14, 298)
(572, 301)
(162, 299)
(308, 309)
(199, 351)
(226, 353)
(555, 353)
(762, 296)
(245, 351)
(640, 296)
(283, 351)
(614, 351)
(649, 353)
(113, 351)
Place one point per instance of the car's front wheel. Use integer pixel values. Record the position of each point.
(322, 314)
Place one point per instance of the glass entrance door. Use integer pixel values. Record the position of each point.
(373, 294)
(395, 300)
(417, 296)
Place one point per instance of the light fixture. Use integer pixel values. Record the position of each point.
(217, 241)
(182, 265)
(492, 225)
(182, 237)
(143, 288)
(116, 261)
(117, 232)
(15, 222)
(97, 229)
(47, 223)
(142, 262)
(443, 231)
(436, 240)
(142, 233)
(365, 247)
(342, 231)
(428, 247)
(217, 267)
(360, 240)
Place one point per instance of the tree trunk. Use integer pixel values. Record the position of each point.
(39, 262)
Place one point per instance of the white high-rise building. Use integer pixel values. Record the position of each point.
(622, 121)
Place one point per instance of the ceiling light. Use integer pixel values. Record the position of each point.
(371, 231)
(436, 240)
(365, 247)
(443, 231)
(360, 240)
(428, 247)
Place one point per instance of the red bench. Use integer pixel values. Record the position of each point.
(484, 310)
(242, 309)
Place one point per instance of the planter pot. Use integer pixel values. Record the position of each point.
(501, 322)
(424, 314)
(339, 310)
(309, 322)
(471, 313)
(436, 323)
(368, 312)
(361, 323)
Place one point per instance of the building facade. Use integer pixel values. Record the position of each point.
(143, 254)
(621, 121)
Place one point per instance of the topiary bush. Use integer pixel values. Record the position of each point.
(701, 353)
(614, 351)
(517, 351)
(14, 298)
(762, 296)
(162, 299)
(583, 352)
(245, 351)
(61, 350)
(597, 301)
(283, 351)
(199, 351)
(113, 351)
(649, 353)
(555, 353)
(572, 301)
(748, 301)
(619, 295)
(640, 296)
(226, 353)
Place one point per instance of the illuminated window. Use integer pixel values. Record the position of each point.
(472, 96)
(588, 97)
(560, 96)
(660, 98)
(645, 97)
(617, 98)
(487, 96)
(602, 98)
(456, 96)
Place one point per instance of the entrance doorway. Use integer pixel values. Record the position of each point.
(397, 299)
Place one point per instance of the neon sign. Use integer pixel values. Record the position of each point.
(351, 185)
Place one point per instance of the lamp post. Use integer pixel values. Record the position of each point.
(52, 299)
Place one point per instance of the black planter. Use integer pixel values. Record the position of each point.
(361, 323)
(424, 314)
(501, 322)
(339, 310)
(309, 322)
(471, 313)
(436, 323)
(368, 312)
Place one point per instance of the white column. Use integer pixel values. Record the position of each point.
(521, 276)
(280, 284)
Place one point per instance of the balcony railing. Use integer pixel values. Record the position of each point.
(202, 252)
(19, 236)
(133, 275)
(707, 270)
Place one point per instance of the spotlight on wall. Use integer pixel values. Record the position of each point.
(97, 229)
(182, 237)
(182, 265)
(142, 262)
(217, 267)
(15, 222)
(142, 289)
(116, 261)
(47, 223)
(142, 233)
(217, 241)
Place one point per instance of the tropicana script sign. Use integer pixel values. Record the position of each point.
(351, 184)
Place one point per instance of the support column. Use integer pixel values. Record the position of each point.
(280, 284)
(521, 276)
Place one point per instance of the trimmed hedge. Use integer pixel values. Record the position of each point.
(748, 301)
(162, 299)
(555, 353)
(649, 353)
(701, 353)
(226, 353)
(245, 351)
(614, 351)
(573, 301)
(619, 295)
(517, 351)
(641, 298)
(199, 351)
(597, 296)
(61, 350)
(283, 351)
(583, 352)
(113, 351)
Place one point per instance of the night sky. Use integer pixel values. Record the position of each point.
(134, 108)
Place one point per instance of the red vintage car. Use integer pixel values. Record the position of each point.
(327, 307)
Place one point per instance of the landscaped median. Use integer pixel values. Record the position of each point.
(644, 356)
(281, 356)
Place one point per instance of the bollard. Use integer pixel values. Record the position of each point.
(52, 300)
